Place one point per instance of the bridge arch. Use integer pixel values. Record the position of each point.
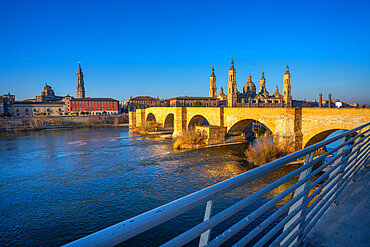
(197, 120)
(151, 118)
(319, 134)
(239, 126)
(169, 121)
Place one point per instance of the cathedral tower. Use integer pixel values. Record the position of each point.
(212, 86)
(287, 88)
(231, 86)
(80, 91)
(262, 83)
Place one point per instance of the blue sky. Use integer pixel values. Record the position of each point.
(167, 48)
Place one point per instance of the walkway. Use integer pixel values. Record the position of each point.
(348, 223)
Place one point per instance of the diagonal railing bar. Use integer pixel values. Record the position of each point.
(194, 232)
(319, 189)
(270, 219)
(327, 202)
(231, 231)
(341, 186)
(280, 224)
(342, 167)
(318, 200)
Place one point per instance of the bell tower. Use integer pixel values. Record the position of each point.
(287, 88)
(231, 86)
(262, 83)
(212, 86)
(80, 90)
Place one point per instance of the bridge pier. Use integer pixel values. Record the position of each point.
(288, 127)
(132, 119)
(180, 121)
(294, 139)
(140, 117)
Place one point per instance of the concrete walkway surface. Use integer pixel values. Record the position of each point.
(348, 223)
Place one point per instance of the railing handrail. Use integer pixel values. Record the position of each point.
(131, 227)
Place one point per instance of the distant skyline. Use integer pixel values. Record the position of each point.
(167, 48)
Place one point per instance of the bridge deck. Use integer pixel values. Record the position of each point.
(348, 223)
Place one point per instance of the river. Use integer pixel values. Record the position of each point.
(60, 185)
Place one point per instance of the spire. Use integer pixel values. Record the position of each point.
(287, 68)
(79, 68)
(80, 90)
(213, 72)
(263, 75)
(249, 77)
(232, 63)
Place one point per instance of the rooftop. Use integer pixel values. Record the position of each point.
(192, 98)
(95, 99)
(144, 98)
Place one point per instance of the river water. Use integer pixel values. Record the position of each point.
(57, 186)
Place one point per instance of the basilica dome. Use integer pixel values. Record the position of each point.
(249, 86)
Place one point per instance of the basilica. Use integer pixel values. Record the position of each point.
(249, 97)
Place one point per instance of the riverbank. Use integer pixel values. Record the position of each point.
(62, 122)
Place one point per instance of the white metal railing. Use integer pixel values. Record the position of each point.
(314, 192)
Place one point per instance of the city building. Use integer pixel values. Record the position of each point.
(93, 106)
(6, 104)
(186, 101)
(48, 104)
(249, 96)
(48, 95)
(31, 109)
(142, 102)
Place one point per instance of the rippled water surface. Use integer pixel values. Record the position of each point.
(57, 186)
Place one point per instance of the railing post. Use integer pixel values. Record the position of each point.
(204, 237)
(303, 187)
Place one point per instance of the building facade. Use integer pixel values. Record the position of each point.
(142, 102)
(186, 101)
(6, 104)
(33, 109)
(249, 96)
(93, 106)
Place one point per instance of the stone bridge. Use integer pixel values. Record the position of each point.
(305, 126)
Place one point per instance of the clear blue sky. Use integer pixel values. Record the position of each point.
(167, 48)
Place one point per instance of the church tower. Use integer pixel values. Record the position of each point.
(287, 88)
(80, 91)
(231, 86)
(212, 86)
(262, 83)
